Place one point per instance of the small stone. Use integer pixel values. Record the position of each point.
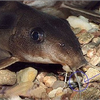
(58, 84)
(76, 30)
(41, 76)
(93, 30)
(87, 47)
(39, 92)
(85, 68)
(61, 77)
(96, 40)
(83, 31)
(19, 90)
(96, 34)
(95, 60)
(92, 74)
(27, 74)
(67, 90)
(91, 53)
(53, 92)
(67, 68)
(57, 98)
(44, 96)
(85, 38)
(7, 77)
(66, 96)
(94, 26)
(79, 22)
(48, 90)
(59, 92)
(49, 80)
(14, 98)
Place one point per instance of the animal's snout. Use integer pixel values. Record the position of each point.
(84, 62)
(81, 63)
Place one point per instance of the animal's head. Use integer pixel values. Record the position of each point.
(42, 38)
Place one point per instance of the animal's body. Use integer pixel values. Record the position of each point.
(28, 35)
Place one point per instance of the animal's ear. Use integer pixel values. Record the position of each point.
(7, 20)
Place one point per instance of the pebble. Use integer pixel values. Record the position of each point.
(83, 31)
(87, 47)
(48, 89)
(66, 96)
(19, 90)
(27, 74)
(49, 80)
(59, 92)
(76, 30)
(85, 68)
(58, 84)
(91, 53)
(79, 22)
(57, 98)
(41, 76)
(39, 92)
(67, 68)
(67, 90)
(53, 92)
(7, 77)
(85, 38)
(95, 60)
(93, 30)
(14, 98)
(94, 26)
(61, 77)
(96, 34)
(96, 40)
(91, 72)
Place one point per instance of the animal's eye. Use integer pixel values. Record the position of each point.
(37, 34)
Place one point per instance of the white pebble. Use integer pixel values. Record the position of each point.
(14, 98)
(76, 22)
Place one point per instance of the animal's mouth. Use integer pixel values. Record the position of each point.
(73, 65)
